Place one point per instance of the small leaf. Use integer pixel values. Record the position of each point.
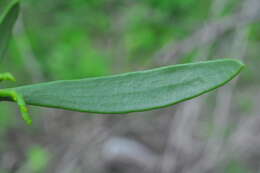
(8, 17)
(135, 91)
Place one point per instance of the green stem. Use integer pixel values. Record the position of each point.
(11, 95)
(20, 101)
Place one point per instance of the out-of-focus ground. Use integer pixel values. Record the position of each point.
(216, 132)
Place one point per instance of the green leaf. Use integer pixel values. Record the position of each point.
(5, 7)
(8, 17)
(134, 91)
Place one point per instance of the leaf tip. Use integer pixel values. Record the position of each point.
(238, 64)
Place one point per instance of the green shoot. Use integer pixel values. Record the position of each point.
(15, 96)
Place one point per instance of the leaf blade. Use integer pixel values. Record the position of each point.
(134, 91)
(5, 7)
(7, 21)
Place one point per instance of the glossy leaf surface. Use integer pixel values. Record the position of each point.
(134, 91)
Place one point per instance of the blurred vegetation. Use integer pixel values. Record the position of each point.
(78, 38)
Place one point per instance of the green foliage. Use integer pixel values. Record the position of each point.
(8, 17)
(79, 39)
(5, 7)
(18, 98)
(132, 92)
(75, 52)
(68, 41)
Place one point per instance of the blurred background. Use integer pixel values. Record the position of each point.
(59, 39)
